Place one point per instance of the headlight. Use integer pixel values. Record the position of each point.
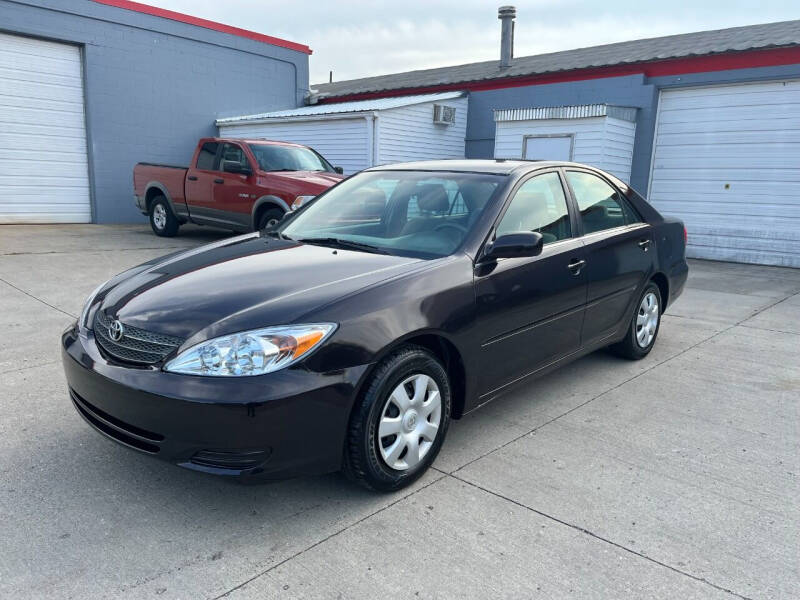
(250, 352)
(88, 305)
(300, 201)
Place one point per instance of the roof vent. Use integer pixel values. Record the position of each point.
(506, 14)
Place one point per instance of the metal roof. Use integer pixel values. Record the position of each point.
(358, 106)
(626, 113)
(735, 39)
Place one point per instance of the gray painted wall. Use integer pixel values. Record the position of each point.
(154, 86)
(633, 90)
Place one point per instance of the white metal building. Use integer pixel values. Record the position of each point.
(358, 135)
(726, 160)
(595, 134)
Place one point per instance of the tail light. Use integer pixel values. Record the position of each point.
(685, 236)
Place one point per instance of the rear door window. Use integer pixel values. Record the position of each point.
(207, 156)
(601, 206)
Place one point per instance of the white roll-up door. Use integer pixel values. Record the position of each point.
(43, 161)
(727, 162)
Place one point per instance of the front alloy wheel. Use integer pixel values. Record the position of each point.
(399, 424)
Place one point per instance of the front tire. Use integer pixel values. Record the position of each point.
(270, 218)
(644, 325)
(163, 222)
(398, 426)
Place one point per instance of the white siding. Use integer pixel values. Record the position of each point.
(603, 142)
(344, 142)
(408, 133)
(618, 147)
(727, 162)
(44, 175)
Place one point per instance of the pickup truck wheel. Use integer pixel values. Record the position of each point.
(269, 218)
(163, 222)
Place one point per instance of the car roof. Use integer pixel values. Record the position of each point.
(498, 166)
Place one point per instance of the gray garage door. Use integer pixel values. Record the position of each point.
(43, 163)
(727, 161)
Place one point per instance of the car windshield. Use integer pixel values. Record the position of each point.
(423, 214)
(272, 157)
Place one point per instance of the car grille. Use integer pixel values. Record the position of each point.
(136, 345)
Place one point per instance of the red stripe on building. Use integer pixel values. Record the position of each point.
(205, 23)
(678, 66)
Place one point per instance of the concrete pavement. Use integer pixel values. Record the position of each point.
(675, 476)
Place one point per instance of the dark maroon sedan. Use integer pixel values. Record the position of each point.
(348, 336)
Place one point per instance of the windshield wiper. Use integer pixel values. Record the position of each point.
(279, 170)
(346, 244)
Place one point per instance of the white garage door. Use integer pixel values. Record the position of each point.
(727, 162)
(43, 164)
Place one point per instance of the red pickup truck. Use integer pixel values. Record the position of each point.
(242, 185)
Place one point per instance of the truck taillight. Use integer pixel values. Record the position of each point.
(685, 236)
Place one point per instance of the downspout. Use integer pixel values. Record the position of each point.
(372, 137)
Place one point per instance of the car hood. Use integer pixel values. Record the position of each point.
(244, 283)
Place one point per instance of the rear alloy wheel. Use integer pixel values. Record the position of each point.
(270, 218)
(643, 329)
(162, 221)
(399, 425)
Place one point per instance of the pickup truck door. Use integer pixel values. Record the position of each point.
(233, 192)
(200, 180)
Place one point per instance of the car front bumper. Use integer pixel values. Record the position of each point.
(283, 424)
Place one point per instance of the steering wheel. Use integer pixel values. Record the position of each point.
(462, 230)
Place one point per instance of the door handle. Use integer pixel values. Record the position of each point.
(575, 266)
(219, 180)
(644, 244)
(192, 178)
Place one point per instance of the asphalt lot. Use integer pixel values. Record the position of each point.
(672, 477)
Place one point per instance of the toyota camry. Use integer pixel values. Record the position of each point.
(352, 333)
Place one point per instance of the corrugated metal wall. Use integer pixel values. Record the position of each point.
(408, 133)
(344, 142)
(603, 142)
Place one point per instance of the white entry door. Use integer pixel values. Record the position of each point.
(547, 147)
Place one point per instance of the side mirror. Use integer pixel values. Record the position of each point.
(339, 170)
(514, 245)
(231, 166)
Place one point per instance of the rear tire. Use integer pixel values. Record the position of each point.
(388, 447)
(269, 218)
(644, 325)
(162, 220)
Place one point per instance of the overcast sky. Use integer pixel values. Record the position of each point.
(360, 38)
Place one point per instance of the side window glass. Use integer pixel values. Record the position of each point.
(205, 159)
(600, 205)
(232, 153)
(539, 205)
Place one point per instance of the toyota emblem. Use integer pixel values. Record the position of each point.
(116, 331)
